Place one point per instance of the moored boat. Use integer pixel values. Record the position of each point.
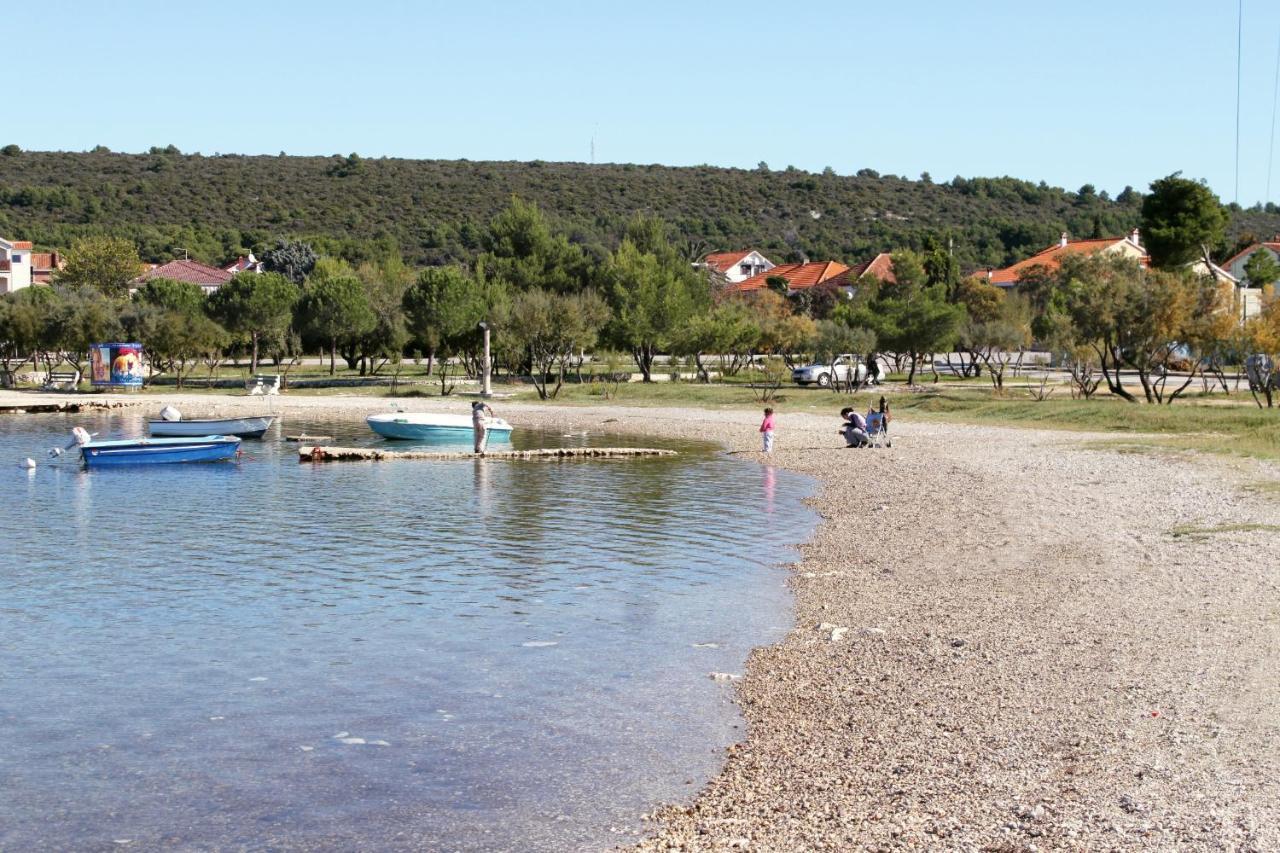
(158, 451)
(431, 427)
(198, 427)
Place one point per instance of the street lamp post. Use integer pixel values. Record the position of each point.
(486, 365)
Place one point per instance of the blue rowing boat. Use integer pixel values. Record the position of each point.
(158, 451)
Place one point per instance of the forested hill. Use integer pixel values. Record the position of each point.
(434, 210)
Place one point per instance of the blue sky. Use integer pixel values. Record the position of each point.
(1101, 92)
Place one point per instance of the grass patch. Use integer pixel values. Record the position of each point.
(1191, 531)
(1266, 488)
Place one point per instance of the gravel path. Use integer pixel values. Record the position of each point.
(1005, 640)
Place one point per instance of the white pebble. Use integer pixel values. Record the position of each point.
(539, 644)
(352, 741)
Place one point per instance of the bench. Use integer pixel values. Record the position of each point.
(263, 384)
(68, 380)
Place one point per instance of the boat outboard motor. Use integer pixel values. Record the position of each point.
(80, 437)
(169, 413)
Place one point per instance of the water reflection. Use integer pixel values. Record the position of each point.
(276, 654)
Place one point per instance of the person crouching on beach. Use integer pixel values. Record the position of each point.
(854, 429)
(766, 430)
(479, 424)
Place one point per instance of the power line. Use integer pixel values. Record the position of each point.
(1239, 48)
(1275, 104)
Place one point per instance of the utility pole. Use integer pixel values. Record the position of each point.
(486, 366)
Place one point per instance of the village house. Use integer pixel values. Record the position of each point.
(44, 265)
(1236, 263)
(798, 276)
(244, 264)
(193, 272)
(803, 276)
(15, 265)
(1251, 292)
(1050, 259)
(879, 267)
(737, 266)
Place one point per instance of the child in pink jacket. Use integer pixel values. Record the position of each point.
(766, 430)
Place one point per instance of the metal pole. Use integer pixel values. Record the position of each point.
(486, 369)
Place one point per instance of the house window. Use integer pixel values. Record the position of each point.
(17, 259)
(745, 269)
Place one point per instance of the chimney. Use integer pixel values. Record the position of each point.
(1135, 238)
(989, 273)
(1062, 241)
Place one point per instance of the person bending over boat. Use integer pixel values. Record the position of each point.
(480, 413)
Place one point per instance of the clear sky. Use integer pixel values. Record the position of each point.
(1111, 93)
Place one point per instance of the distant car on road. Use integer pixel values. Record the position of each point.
(838, 370)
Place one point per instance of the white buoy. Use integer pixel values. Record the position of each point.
(30, 464)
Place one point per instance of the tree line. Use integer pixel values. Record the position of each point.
(551, 301)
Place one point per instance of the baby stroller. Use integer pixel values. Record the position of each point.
(878, 426)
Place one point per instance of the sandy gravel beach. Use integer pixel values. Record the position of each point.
(1005, 639)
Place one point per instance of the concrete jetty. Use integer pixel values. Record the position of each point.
(319, 453)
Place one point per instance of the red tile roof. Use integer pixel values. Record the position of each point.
(1272, 245)
(724, 262)
(798, 276)
(1051, 258)
(881, 266)
(193, 272)
(22, 244)
(45, 261)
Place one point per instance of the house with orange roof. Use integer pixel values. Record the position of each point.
(1050, 259)
(879, 267)
(798, 276)
(15, 265)
(737, 266)
(183, 269)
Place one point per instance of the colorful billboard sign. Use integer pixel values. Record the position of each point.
(116, 365)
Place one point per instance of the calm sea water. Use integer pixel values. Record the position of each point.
(472, 655)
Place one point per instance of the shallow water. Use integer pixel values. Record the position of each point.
(469, 655)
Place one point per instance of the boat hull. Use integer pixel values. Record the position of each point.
(239, 427)
(159, 451)
(435, 429)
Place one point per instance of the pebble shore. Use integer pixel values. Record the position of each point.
(1005, 640)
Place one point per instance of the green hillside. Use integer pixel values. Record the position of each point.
(219, 206)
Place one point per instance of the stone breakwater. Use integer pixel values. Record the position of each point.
(318, 453)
